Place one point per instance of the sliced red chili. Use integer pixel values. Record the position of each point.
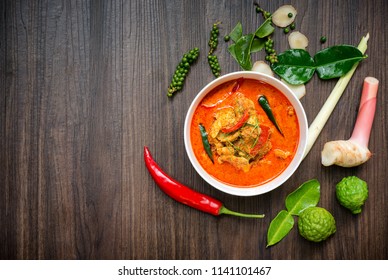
(263, 138)
(239, 124)
(184, 194)
(237, 85)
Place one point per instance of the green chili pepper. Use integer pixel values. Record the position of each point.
(263, 101)
(205, 142)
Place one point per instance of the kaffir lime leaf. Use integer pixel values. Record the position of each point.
(316, 224)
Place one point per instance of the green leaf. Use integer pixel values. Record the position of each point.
(307, 195)
(279, 227)
(236, 33)
(231, 51)
(265, 29)
(242, 50)
(336, 61)
(257, 45)
(295, 66)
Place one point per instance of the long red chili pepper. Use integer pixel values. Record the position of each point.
(184, 194)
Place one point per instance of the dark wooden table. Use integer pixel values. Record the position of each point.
(83, 89)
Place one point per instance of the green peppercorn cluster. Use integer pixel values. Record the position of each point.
(269, 49)
(181, 71)
(271, 53)
(213, 43)
(260, 10)
(214, 65)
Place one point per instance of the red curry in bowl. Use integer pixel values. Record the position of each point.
(247, 148)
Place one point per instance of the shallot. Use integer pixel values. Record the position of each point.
(262, 67)
(298, 90)
(353, 152)
(297, 40)
(284, 16)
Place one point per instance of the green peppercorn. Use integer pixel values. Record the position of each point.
(181, 71)
(259, 10)
(214, 65)
(286, 30)
(290, 15)
(323, 39)
(292, 26)
(213, 42)
(226, 38)
(273, 58)
(270, 51)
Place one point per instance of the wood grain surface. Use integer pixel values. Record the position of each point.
(83, 89)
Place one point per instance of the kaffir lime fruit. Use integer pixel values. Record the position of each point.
(316, 224)
(352, 192)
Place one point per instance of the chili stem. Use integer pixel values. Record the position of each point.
(226, 211)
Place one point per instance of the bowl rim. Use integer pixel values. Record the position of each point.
(278, 180)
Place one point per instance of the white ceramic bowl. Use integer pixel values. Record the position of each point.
(281, 178)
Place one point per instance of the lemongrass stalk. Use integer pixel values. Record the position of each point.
(327, 108)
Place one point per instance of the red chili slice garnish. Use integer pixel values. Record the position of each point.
(236, 86)
(263, 138)
(239, 124)
(218, 102)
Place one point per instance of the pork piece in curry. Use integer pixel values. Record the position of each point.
(237, 135)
